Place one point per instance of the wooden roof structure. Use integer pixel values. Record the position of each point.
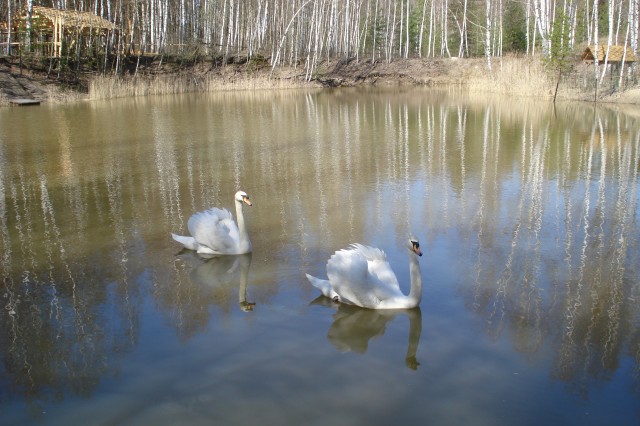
(616, 54)
(72, 18)
(58, 20)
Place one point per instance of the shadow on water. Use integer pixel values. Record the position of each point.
(354, 327)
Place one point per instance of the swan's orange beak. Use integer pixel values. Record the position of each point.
(247, 201)
(416, 249)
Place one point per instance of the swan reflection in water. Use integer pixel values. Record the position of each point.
(353, 327)
(225, 272)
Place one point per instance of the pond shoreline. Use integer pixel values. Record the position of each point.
(159, 76)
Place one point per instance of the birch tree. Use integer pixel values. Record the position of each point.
(9, 29)
(634, 25)
(306, 32)
(595, 44)
(421, 32)
(487, 47)
(542, 14)
(611, 7)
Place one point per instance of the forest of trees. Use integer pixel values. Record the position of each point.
(307, 32)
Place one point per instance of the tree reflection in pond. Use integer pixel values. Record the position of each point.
(530, 215)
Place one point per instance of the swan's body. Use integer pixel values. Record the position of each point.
(362, 276)
(214, 232)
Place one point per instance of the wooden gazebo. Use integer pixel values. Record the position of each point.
(615, 56)
(57, 21)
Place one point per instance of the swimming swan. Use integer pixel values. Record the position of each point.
(361, 276)
(214, 232)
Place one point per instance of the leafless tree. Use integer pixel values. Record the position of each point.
(307, 32)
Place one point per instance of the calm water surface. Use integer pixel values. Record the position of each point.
(528, 218)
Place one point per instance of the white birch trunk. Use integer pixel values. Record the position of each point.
(406, 44)
(364, 33)
(431, 30)
(375, 33)
(624, 58)
(421, 34)
(487, 47)
(633, 23)
(595, 43)
(463, 32)
(541, 12)
(589, 21)
(401, 32)
(609, 39)
(9, 27)
(528, 25)
(29, 11)
(445, 29)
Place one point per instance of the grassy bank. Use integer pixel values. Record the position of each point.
(507, 77)
(192, 80)
(523, 77)
(513, 76)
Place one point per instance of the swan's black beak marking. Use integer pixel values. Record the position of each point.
(416, 248)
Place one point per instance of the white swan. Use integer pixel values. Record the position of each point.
(214, 232)
(361, 276)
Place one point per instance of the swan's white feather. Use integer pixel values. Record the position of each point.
(362, 276)
(215, 231)
(188, 242)
(323, 285)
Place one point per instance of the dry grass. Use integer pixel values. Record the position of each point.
(108, 87)
(521, 77)
(55, 94)
(514, 76)
(527, 77)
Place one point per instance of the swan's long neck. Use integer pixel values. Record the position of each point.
(415, 294)
(245, 243)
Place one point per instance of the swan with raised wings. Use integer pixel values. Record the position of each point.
(362, 276)
(214, 232)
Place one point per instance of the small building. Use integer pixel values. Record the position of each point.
(614, 55)
(56, 24)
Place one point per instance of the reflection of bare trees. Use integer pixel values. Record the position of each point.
(600, 313)
(188, 293)
(570, 264)
(58, 328)
(545, 215)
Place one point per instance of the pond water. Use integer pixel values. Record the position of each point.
(527, 216)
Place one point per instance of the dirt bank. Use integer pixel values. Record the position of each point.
(240, 74)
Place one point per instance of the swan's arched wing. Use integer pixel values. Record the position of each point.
(215, 229)
(362, 276)
(382, 279)
(347, 273)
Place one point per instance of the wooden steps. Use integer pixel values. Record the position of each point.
(23, 102)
